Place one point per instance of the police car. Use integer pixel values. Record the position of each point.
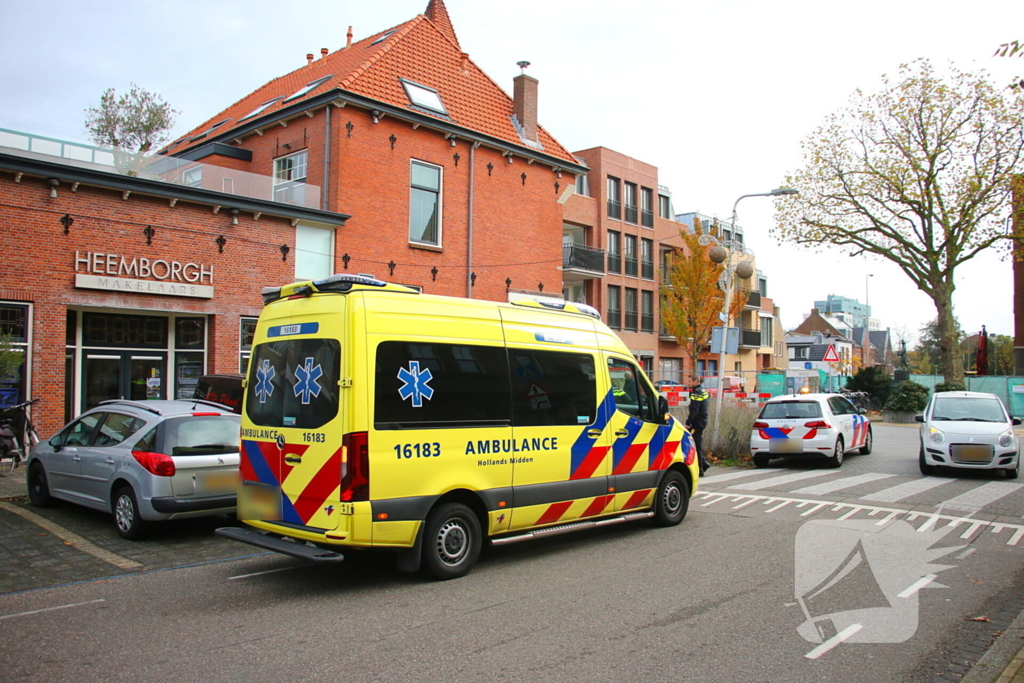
(818, 425)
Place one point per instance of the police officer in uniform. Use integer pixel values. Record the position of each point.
(697, 419)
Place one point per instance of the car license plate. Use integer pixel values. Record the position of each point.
(259, 502)
(220, 481)
(972, 453)
(785, 446)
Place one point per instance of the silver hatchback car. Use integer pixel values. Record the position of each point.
(968, 430)
(143, 461)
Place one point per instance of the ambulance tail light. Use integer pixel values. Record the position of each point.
(818, 424)
(155, 463)
(355, 467)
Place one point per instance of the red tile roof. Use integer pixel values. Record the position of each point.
(423, 50)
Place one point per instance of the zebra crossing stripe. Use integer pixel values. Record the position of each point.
(897, 493)
(844, 483)
(729, 476)
(981, 496)
(777, 481)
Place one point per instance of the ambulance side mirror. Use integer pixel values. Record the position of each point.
(663, 410)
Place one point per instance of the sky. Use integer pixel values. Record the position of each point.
(717, 95)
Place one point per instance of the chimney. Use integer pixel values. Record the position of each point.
(348, 42)
(465, 61)
(309, 58)
(524, 104)
(323, 52)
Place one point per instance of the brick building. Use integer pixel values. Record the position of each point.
(394, 156)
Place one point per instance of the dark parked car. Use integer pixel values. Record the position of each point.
(223, 389)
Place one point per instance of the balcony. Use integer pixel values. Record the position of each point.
(631, 266)
(631, 213)
(750, 339)
(647, 270)
(614, 209)
(614, 318)
(580, 262)
(754, 301)
(614, 262)
(647, 218)
(630, 320)
(164, 169)
(647, 322)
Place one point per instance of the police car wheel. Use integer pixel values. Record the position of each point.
(673, 499)
(129, 523)
(837, 454)
(866, 448)
(451, 541)
(38, 488)
(761, 461)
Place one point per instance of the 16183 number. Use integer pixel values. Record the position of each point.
(418, 450)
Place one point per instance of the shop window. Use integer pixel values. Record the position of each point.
(14, 328)
(189, 333)
(138, 331)
(247, 332)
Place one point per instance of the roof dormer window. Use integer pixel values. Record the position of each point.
(306, 89)
(260, 109)
(422, 96)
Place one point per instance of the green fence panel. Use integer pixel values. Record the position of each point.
(1009, 389)
(771, 384)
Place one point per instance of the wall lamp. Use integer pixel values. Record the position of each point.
(234, 216)
(54, 183)
(377, 116)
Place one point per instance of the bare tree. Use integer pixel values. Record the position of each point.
(918, 173)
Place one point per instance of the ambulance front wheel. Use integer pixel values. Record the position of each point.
(451, 541)
(673, 499)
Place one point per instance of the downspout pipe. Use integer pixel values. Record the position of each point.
(469, 221)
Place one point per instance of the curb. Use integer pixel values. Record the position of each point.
(1004, 660)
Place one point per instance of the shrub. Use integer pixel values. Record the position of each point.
(872, 380)
(908, 396)
(949, 386)
(732, 443)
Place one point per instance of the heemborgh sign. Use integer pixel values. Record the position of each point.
(114, 272)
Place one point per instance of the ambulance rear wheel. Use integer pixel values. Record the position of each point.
(451, 541)
(673, 499)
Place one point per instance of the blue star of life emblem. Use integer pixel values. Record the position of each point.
(415, 384)
(306, 377)
(264, 373)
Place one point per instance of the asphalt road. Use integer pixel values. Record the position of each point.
(719, 598)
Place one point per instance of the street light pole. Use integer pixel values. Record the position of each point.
(732, 245)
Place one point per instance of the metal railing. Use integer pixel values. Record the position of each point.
(614, 262)
(631, 213)
(630, 323)
(614, 318)
(582, 257)
(647, 270)
(750, 338)
(614, 209)
(631, 266)
(647, 322)
(754, 300)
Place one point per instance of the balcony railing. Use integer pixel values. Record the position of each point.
(582, 257)
(614, 209)
(754, 300)
(631, 266)
(647, 218)
(750, 338)
(171, 170)
(631, 213)
(614, 262)
(647, 270)
(630, 320)
(647, 322)
(615, 318)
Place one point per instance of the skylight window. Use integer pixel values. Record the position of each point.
(260, 109)
(309, 87)
(382, 38)
(425, 97)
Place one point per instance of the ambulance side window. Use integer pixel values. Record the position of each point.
(552, 388)
(426, 384)
(631, 393)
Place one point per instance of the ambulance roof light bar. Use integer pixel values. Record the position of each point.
(553, 303)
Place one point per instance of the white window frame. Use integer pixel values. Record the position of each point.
(440, 202)
(423, 96)
(294, 179)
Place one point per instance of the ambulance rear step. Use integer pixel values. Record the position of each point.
(574, 526)
(280, 545)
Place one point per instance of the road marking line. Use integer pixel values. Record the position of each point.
(844, 483)
(917, 585)
(982, 495)
(833, 641)
(971, 530)
(775, 481)
(50, 609)
(744, 504)
(71, 538)
(969, 551)
(269, 571)
(897, 493)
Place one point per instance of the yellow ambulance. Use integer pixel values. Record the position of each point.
(375, 416)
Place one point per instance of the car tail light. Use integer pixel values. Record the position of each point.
(760, 425)
(155, 463)
(818, 424)
(355, 467)
(205, 414)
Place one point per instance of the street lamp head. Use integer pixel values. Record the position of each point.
(780, 191)
(717, 254)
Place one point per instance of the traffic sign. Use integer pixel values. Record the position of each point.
(830, 355)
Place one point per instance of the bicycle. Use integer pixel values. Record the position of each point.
(13, 451)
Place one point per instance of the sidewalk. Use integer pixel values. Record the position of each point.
(1004, 660)
(13, 486)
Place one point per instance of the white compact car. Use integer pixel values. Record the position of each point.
(819, 425)
(968, 430)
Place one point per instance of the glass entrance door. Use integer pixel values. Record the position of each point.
(134, 375)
